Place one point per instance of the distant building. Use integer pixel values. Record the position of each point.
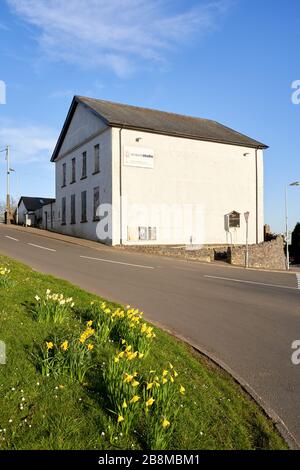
(143, 173)
(30, 211)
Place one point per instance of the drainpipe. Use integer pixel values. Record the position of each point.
(120, 183)
(256, 183)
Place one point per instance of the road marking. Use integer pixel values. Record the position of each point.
(12, 238)
(118, 262)
(298, 280)
(42, 247)
(251, 282)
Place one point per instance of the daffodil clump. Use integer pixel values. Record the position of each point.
(103, 320)
(70, 357)
(4, 276)
(120, 375)
(119, 323)
(52, 307)
(133, 399)
(161, 395)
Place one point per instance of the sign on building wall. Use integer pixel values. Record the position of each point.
(140, 157)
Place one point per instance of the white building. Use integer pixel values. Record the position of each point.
(31, 211)
(159, 178)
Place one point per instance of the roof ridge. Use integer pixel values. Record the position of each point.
(146, 109)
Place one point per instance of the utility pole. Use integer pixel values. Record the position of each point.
(8, 185)
(246, 215)
(287, 231)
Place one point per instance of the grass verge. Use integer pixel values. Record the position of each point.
(40, 412)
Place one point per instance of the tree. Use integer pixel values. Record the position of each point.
(295, 247)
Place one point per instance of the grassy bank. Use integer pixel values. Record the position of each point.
(52, 408)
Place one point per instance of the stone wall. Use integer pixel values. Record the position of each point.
(267, 255)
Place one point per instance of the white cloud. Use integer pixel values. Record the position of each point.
(121, 34)
(29, 144)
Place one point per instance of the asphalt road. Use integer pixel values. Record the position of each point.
(246, 319)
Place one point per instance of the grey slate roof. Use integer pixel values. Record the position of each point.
(34, 203)
(150, 120)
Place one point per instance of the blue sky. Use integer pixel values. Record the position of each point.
(230, 60)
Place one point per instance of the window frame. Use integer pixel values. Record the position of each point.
(84, 165)
(73, 209)
(83, 207)
(64, 175)
(73, 171)
(96, 218)
(63, 211)
(96, 159)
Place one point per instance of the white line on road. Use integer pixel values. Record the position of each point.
(42, 247)
(251, 282)
(12, 238)
(118, 262)
(298, 280)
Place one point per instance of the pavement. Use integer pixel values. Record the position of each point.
(245, 320)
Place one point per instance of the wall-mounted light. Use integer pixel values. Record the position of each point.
(138, 139)
(246, 154)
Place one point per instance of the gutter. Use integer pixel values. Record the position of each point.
(120, 184)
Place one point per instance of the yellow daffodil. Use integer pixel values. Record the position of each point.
(135, 399)
(171, 366)
(128, 378)
(165, 372)
(89, 323)
(120, 419)
(165, 423)
(172, 379)
(49, 345)
(90, 347)
(65, 345)
(182, 390)
(124, 404)
(164, 381)
(175, 373)
(150, 402)
(135, 383)
(149, 385)
(141, 355)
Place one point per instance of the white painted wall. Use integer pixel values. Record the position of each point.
(22, 211)
(23, 215)
(84, 133)
(217, 177)
(49, 216)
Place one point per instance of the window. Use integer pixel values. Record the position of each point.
(64, 173)
(73, 209)
(63, 211)
(97, 158)
(151, 233)
(143, 233)
(96, 203)
(83, 206)
(147, 233)
(73, 176)
(234, 219)
(83, 171)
